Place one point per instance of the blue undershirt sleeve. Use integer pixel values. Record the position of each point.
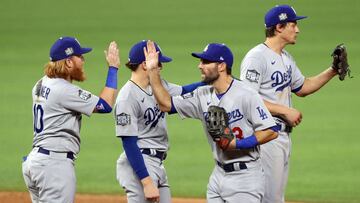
(191, 87)
(102, 106)
(297, 89)
(275, 128)
(134, 156)
(172, 110)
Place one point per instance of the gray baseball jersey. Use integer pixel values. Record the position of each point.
(57, 109)
(138, 114)
(247, 114)
(274, 76)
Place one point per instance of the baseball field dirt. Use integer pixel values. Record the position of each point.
(23, 197)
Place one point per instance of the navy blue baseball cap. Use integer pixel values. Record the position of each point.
(216, 53)
(136, 53)
(65, 47)
(281, 14)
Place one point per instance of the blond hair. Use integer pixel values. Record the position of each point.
(56, 69)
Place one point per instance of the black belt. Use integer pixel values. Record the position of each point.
(155, 153)
(281, 124)
(69, 155)
(230, 167)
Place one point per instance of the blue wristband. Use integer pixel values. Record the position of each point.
(111, 80)
(247, 143)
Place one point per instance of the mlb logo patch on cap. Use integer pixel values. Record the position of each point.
(281, 14)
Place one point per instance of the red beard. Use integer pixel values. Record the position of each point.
(77, 74)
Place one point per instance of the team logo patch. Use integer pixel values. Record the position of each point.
(283, 16)
(84, 95)
(188, 95)
(262, 113)
(123, 119)
(69, 51)
(252, 75)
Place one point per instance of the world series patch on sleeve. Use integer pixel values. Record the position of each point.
(123, 119)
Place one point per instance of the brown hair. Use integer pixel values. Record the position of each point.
(270, 31)
(132, 66)
(56, 69)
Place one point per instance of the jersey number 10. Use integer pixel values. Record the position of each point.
(38, 118)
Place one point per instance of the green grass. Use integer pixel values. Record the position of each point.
(324, 164)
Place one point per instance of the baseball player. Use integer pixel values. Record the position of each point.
(141, 125)
(58, 106)
(272, 72)
(238, 174)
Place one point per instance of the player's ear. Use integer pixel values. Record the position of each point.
(143, 65)
(69, 62)
(222, 67)
(279, 28)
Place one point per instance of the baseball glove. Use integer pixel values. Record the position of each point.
(218, 126)
(340, 63)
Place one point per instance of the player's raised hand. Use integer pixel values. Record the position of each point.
(151, 56)
(112, 55)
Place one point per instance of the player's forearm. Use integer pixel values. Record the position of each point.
(109, 95)
(313, 84)
(264, 136)
(276, 109)
(161, 95)
(258, 138)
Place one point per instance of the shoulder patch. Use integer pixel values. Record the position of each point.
(188, 95)
(123, 119)
(252, 75)
(84, 95)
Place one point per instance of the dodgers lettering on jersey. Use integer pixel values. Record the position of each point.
(281, 80)
(234, 115)
(57, 114)
(246, 110)
(138, 114)
(274, 76)
(152, 116)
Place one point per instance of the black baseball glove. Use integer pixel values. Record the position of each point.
(340, 63)
(217, 125)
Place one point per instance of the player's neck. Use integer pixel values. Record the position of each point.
(275, 44)
(221, 85)
(140, 79)
(68, 78)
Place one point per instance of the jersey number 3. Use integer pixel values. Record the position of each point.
(38, 118)
(238, 133)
